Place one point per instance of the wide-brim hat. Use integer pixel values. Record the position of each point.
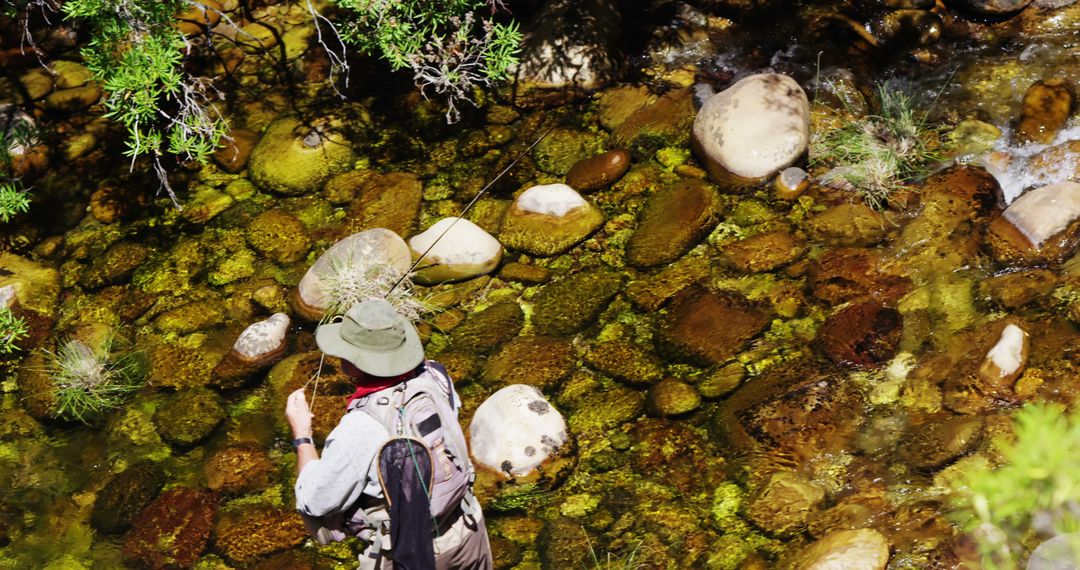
(374, 338)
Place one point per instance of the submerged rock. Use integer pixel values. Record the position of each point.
(115, 265)
(548, 220)
(172, 531)
(707, 328)
(279, 236)
(849, 224)
(567, 306)
(671, 397)
(673, 220)
(125, 495)
(1047, 107)
(625, 361)
(784, 504)
(256, 531)
(37, 285)
(390, 200)
(940, 440)
(753, 129)
(861, 549)
(235, 150)
(764, 252)
(534, 360)
(189, 416)
(261, 344)
(457, 249)
(294, 158)
(662, 123)
(374, 254)
(861, 334)
(598, 171)
(558, 152)
(487, 330)
(238, 470)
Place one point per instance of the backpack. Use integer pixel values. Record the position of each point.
(423, 409)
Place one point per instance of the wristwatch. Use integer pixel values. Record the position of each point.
(296, 443)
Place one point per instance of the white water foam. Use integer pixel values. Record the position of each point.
(1010, 164)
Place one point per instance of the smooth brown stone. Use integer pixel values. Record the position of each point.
(1047, 106)
(232, 157)
(598, 171)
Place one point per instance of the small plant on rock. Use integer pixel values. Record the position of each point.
(879, 153)
(12, 201)
(12, 330)
(1033, 496)
(88, 382)
(352, 279)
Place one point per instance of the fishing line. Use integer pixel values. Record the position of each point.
(467, 208)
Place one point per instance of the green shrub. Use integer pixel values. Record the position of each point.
(88, 382)
(12, 201)
(1032, 496)
(877, 154)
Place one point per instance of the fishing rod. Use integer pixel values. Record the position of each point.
(468, 206)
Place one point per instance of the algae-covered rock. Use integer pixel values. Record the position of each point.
(487, 330)
(571, 304)
(205, 203)
(764, 252)
(1019, 288)
(524, 273)
(125, 495)
(563, 148)
(115, 265)
(849, 224)
(180, 365)
(293, 372)
(74, 99)
(664, 122)
(191, 317)
(706, 328)
(295, 158)
(189, 416)
(279, 236)
(389, 201)
(534, 360)
(861, 334)
(238, 470)
(676, 455)
(37, 285)
(548, 220)
(625, 361)
(604, 410)
(721, 380)
(257, 531)
(172, 531)
(674, 219)
(783, 505)
(671, 397)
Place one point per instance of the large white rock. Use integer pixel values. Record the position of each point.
(369, 260)
(1041, 213)
(862, 549)
(515, 430)
(753, 129)
(459, 249)
(548, 220)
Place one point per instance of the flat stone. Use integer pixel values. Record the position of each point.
(705, 328)
(673, 221)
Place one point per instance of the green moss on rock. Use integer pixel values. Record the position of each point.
(125, 495)
(626, 361)
(189, 416)
(279, 236)
(294, 158)
(115, 265)
(671, 397)
(485, 331)
(674, 219)
(604, 410)
(533, 360)
(569, 305)
(561, 148)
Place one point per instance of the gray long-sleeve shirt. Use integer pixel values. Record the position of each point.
(346, 469)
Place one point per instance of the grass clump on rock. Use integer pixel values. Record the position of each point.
(88, 382)
(877, 154)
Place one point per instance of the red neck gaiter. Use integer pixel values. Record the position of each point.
(368, 384)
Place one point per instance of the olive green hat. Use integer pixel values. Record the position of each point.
(374, 338)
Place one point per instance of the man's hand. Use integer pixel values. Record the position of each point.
(298, 414)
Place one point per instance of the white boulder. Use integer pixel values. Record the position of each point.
(862, 549)
(548, 220)
(1044, 212)
(753, 129)
(364, 264)
(515, 430)
(8, 300)
(263, 339)
(1006, 360)
(459, 249)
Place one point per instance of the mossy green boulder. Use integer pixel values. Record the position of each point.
(115, 265)
(279, 236)
(191, 317)
(189, 416)
(549, 219)
(295, 158)
(625, 361)
(675, 218)
(534, 360)
(562, 148)
(485, 331)
(571, 304)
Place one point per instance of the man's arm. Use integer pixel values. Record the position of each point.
(299, 416)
